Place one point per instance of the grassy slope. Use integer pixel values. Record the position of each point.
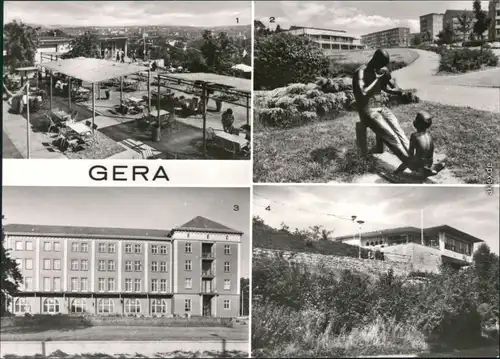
(326, 151)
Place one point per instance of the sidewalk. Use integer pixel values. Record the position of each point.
(15, 126)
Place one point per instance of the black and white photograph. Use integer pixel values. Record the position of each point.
(377, 92)
(374, 271)
(127, 80)
(125, 272)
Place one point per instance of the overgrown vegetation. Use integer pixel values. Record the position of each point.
(299, 312)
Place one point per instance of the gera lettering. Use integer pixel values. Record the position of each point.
(127, 173)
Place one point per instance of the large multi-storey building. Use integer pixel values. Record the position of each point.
(452, 18)
(494, 15)
(396, 37)
(192, 269)
(426, 248)
(431, 25)
(327, 39)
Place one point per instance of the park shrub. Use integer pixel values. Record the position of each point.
(282, 59)
(464, 60)
(474, 43)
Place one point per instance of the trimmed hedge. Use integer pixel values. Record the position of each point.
(463, 60)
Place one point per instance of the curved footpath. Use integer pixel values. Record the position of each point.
(449, 90)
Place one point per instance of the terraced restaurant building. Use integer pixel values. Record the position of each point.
(192, 269)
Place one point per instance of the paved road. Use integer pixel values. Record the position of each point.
(421, 76)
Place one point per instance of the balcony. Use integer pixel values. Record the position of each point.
(207, 255)
(208, 291)
(207, 273)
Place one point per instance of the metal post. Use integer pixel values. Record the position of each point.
(159, 103)
(248, 110)
(121, 94)
(50, 95)
(69, 93)
(204, 114)
(28, 118)
(149, 90)
(93, 106)
(422, 227)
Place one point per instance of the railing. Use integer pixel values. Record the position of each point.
(207, 273)
(207, 255)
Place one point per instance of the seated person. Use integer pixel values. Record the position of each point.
(421, 153)
(227, 120)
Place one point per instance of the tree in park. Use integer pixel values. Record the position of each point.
(245, 291)
(282, 58)
(447, 35)
(20, 42)
(218, 50)
(482, 20)
(464, 26)
(11, 276)
(85, 46)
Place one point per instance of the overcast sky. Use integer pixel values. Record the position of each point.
(355, 17)
(468, 209)
(129, 13)
(145, 208)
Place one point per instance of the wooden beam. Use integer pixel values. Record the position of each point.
(50, 94)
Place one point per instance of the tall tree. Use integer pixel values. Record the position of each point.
(447, 35)
(482, 20)
(20, 42)
(85, 45)
(11, 276)
(464, 25)
(245, 296)
(218, 51)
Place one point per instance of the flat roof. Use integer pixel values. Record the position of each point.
(92, 70)
(243, 85)
(405, 230)
(28, 68)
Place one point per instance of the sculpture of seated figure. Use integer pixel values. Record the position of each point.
(421, 152)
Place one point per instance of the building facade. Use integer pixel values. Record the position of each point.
(451, 18)
(192, 269)
(431, 25)
(428, 247)
(494, 15)
(328, 39)
(396, 37)
(55, 46)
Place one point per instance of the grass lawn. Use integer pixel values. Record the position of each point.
(362, 56)
(489, 77)
(326, 151)
(130, 333)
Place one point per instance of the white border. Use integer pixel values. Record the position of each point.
(75, 173)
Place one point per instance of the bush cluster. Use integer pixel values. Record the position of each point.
(463, 60)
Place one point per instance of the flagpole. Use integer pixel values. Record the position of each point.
(422, 227)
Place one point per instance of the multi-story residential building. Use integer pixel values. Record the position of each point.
(451, 18)
(426, 248)
(191, 269)
(431, 25)
(494, 15)
(396, 37)
(328, 39)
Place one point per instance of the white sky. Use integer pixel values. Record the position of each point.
(129, 13)
(468, 209)
(355, 17)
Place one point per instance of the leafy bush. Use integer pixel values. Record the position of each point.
(282, 59)
(474, 43)
(463, 60)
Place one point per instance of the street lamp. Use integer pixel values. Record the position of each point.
(242, 296)
(360, 223)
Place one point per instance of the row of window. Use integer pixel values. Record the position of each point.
(105, 247)
(104, 306)
(107, 265)
(108, 284)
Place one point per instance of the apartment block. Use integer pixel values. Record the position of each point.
(192, 269)
(396, 37)
(451, 18)
(431, 25)
(494, 15)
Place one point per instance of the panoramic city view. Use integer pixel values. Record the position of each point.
(111, 282)
(425, 108)
(126, 80)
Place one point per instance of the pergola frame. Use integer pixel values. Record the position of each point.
(205, 86)
(99, 71)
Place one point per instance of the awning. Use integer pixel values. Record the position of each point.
(92, 70)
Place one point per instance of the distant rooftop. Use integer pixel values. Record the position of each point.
(293, 27)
